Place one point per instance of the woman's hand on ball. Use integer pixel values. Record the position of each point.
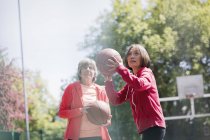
(84, 109)
(113, 64)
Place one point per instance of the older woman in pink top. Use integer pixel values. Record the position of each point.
(79, 95)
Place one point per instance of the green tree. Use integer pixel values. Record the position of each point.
(42, 109)
(41, 104)
(176, 34)
(190, 21)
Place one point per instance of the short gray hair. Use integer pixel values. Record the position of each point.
(85, 62)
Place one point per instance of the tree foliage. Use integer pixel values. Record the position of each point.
(41, 104)
(176, 34)
(42, 109)
(11, 110)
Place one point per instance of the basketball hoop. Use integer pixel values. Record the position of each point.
(189, 96)
(190, 86)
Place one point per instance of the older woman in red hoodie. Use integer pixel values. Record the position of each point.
(140, 90)
(76, 98)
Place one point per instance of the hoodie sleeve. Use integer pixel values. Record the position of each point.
(140, 83)
(115, 97)
(65, 110)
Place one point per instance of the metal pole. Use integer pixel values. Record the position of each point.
(23, 74)
(192, 107)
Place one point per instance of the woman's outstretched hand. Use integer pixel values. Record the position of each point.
(113, 63)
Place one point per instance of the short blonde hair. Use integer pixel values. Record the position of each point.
(86, 62)
(144, 59)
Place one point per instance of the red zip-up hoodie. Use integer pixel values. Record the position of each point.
(71, 108)
(141, 91)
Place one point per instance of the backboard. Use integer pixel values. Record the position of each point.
(190, 86)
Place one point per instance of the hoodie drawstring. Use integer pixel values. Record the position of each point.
(132, 93)
(127, 94)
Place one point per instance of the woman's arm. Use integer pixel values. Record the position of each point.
(115, 97)
(138, 83)
(65, 110)
(141, 83)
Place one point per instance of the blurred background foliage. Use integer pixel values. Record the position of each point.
(176, 34)
(42, 107)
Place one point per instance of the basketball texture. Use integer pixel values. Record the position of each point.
(98, 113)
(102, 59)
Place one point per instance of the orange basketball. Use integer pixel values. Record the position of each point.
(102, 58)
(98, 113)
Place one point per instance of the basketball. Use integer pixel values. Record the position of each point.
(98, 113)
(102, 58)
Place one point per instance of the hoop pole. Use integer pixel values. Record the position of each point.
(192, 107)
(23, 74)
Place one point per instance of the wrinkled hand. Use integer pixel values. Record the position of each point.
(107, 123)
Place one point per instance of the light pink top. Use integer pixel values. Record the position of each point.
(88, 129)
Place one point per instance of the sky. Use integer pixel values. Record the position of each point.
(51, 32)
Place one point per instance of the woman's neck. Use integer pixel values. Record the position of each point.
(135, 71)
(86, 82)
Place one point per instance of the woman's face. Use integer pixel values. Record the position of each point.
(87, 72)
(134, 58)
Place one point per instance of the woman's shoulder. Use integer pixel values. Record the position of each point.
(101, 91)
(71, 85)
(100, 88)
(144, 69)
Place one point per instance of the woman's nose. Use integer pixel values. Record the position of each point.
(132, 55)
(88, 68)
